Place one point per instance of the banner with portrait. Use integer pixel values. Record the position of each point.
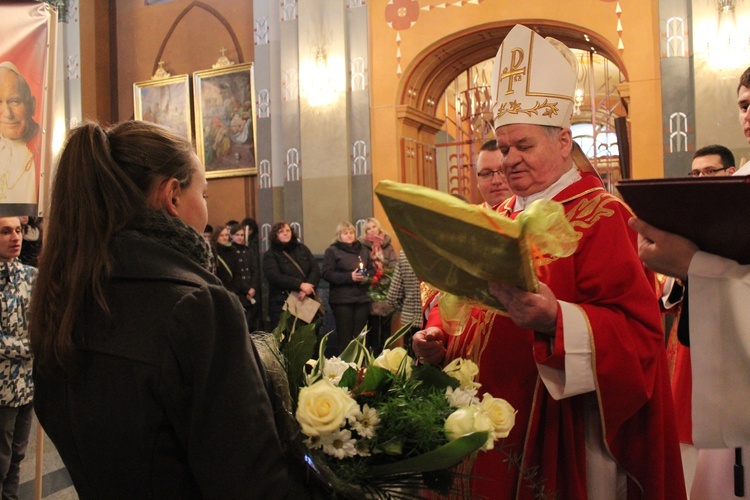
(27, 64)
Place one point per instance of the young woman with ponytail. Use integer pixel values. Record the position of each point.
(146, 378)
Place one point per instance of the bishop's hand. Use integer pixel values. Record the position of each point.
(534, 311)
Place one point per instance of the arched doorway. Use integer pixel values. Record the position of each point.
(438, 139)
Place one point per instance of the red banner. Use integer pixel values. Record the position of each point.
(26, 90)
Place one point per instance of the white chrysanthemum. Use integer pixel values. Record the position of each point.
(363, 447)
(366, 422)
(339, 444)
(463, 396)
(313, 442)
(334, 369)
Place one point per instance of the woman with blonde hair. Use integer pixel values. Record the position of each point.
(146, 379)
(346, 267)
(384, 259)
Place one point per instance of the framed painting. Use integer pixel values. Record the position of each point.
(225, 120)
(165, 101)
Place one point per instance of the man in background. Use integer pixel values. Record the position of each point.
(709, 161)
(491, 181)
(20, 140)
(719, 290)
(16, 383)
(714, 160)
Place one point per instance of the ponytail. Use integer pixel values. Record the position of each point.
(103, 180)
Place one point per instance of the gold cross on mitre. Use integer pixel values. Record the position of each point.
(514, 72)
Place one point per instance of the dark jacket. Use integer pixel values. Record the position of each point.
(339, 261)
(227, 267)
(249, 273)
(283, 276)
(169, 400)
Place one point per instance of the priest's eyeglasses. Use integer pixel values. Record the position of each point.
(489, 174)
(708, 171)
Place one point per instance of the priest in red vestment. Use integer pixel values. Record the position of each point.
(583, 359)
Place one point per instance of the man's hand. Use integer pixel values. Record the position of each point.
(663, 252)
(429, 345)
(534, 311)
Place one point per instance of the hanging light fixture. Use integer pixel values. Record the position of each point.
(729, 48)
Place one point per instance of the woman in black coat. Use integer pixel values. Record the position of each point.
(248, 281)
(253, 248)
(146, 379)
(290, 267)
(346, 266)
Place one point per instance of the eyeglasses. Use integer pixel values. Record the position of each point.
(708, 171)
(488, 174)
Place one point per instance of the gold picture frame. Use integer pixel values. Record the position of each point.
(224, 102)
(165, 101)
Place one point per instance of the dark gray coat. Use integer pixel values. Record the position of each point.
(169, 401)
(339, 261)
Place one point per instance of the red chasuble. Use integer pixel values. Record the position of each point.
(605, 279)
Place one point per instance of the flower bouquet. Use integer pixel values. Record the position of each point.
(377, 290)
(381, 426)
(379, 285)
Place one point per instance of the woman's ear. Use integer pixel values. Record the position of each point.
(167, 196)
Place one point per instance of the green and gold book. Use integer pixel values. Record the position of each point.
(459, 248)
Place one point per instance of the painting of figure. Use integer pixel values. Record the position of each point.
(224, 120)
(166, 102)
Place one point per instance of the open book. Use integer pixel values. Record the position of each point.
(458, 247)
(713, 212)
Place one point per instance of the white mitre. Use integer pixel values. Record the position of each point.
(533, 80)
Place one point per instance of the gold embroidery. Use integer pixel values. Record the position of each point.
(514, 108)
(585, 213)
(6, 183)
(514, 73)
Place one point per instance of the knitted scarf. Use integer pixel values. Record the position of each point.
(376, 251)
(159, 227)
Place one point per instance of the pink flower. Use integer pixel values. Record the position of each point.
(402, 14)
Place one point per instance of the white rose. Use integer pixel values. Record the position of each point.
(463, 370)
(391, 359)
(467, 420)
(501, 413)
(323, 408)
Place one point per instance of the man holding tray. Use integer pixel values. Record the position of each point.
(582, 359)
(719, 290)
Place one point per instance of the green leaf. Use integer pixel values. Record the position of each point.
(433, 376)
(317, 370)
(375, 380)
(390, 447)
(300, 348)
(443, 457)
(356, 352)
(349, 378)
(396, 336)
